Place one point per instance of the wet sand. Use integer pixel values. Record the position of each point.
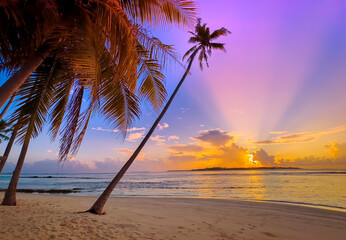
(43, 216)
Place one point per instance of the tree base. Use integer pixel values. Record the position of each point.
(93, 211)
(9, 203)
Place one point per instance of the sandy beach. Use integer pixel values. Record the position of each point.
(39, 216)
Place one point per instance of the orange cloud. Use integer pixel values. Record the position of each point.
(133, 137)
(301, 137)
(158, 139)
(214, 148)
(215, 137)
(337, 150)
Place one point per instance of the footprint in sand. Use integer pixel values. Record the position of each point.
(269, 234)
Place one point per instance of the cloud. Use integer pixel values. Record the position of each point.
(108, 165)
(184, 110)
(158, 139)
(278, 132)
(128, 153)
(124, 151)
(314, 162)
(262, 157)
(133, 137)
(302, 136)
(163, 126)
(134, 129)
(216, 137)
(49, 151)
(221, 151)
(185, 148)
(173, 137)
(104, 130)
(195, 156)
(337, 150)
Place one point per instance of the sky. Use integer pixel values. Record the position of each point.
(275, 98)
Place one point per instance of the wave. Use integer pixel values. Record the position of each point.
(307, 204)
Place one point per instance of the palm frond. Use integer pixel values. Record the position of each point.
(219, 46)
(119, 105)
(190, 51)
(152, 84)
(159, 50)
(72, 123)
(64, 78)
(4, 130)
(218, 33)
(34, 101)
(157, 12)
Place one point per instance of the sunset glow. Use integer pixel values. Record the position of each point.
(275, 98)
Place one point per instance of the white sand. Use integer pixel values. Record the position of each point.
(54, 217)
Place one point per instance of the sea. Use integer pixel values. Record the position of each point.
(316, 188)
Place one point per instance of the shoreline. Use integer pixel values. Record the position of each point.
(49, 216)
(75, 192)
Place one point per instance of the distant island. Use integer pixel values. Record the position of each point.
(247, 168)
(243, 168)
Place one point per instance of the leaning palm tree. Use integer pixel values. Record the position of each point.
(3, 112)
(8, 148)
(46, 94)
(4, 130)
(203, 47)
(102, 45)
(30, 31)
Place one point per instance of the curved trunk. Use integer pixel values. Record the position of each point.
(8, 105)
(10, 194)
(101, 201)
(8, 149)
(13, 83)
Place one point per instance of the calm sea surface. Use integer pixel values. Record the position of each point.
(322, 188)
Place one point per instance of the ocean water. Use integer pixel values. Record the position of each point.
(321, 188)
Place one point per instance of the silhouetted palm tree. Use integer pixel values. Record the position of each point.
(3, 112)
(4, 130)
(204, 47)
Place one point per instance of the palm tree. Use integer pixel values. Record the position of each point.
(46, 94)
(4, 129)
(4, 157)
(95, 48)
(204, 45)
(30, 31)
(35, 99)
(8, 105)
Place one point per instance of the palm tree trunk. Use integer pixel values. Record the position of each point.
(8, 105)
(10, 194)
(17, 79)
(3, 159)
(101, 201)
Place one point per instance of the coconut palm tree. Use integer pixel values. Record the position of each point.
(103, 50)
(3, 112)
(203, 48)
(4, 130)
(4, 157)
(30, 31)
(52, 84)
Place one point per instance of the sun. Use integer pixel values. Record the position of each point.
(251, 160)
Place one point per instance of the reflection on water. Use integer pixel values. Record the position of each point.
(320, 187)
(258, 191)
